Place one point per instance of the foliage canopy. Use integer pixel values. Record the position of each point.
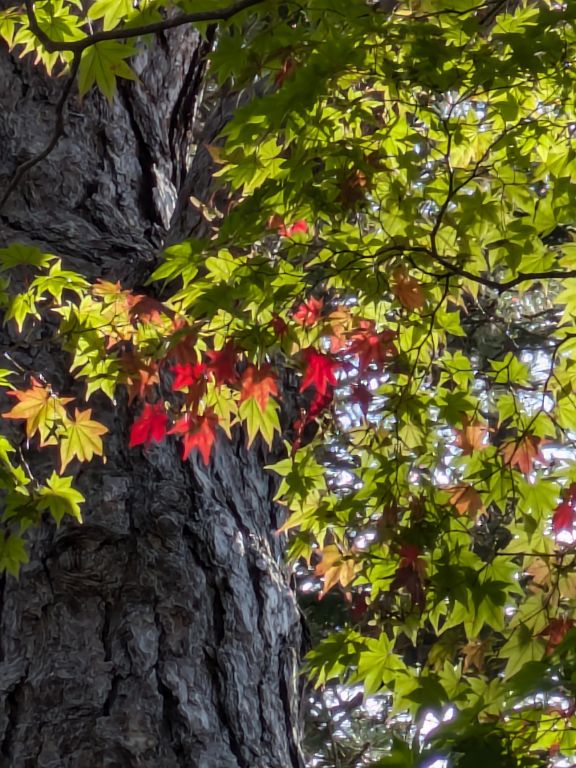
(397, 232)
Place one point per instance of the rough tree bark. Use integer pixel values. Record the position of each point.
(162, 632)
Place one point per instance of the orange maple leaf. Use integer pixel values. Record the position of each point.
(335, 568)
(340, 323)
(140, 376)
(197, 432)
(472, 437)
(467, 500)
(522, 453)
(407, 289)
(258, 383)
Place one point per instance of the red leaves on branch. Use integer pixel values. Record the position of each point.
(373, 347)
(258, 383)
(308, 313)
(563, 517)
(279, 325)
(319, 372)
(222, 364)
(565, 513)
(150, 426)
(197, 432)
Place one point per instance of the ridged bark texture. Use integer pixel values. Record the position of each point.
(162, 632)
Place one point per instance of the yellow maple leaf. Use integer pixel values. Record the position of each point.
(43, 412)
(82, 438)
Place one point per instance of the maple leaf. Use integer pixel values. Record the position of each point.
(320, 402)
(150, 426)
(556, 631)
(42, 410)
(361, 395)
(292, 229)
(286, 70)
(352, 189)
(407, 289)
(258, 383)
(82, 438)
(466, 500)
(474, 654)
(522, 453)
(308, 313)
(278, 325)
(410, 573)
(187, 375)
(339, 322)
(319, 371)
(373, 347)
(471, 437)
(140, 376)
(335, 568)
(563, 517)
(222, 364)
(197, 432)
(145, 309)
(182, 347)
(541, 575)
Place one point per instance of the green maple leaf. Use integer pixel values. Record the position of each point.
(60, 498)
(102, 64)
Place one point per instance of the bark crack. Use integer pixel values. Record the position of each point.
(145, 160)
(12, 705)
(286, 699)
(218, 686)
(181, 123)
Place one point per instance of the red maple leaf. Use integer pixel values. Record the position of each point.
(319, 371)
(320, 402)
(278, 325)
(563, 517)
(373, 347)
(183, 343)
(222, 364)
(308, 313)
(197, 432)
(187, 375)
(556, 631)
(150, 426)
(258, 383)
(292, 229)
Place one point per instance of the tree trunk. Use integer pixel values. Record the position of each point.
(161, 632)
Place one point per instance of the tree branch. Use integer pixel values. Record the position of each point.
(77, 46)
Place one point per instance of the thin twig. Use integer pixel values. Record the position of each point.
(122, 33)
